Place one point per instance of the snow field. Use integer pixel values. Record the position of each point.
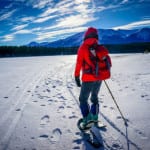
(39, 104)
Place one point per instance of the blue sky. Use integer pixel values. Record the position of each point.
(23, 21)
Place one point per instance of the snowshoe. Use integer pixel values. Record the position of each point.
(88, 135)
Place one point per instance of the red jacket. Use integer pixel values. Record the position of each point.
(85, 63)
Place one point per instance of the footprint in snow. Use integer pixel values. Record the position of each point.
(46, 83)
(48, 90)
(35, 101)
(60, 108)
(56, 135)
(6, 97)
(69, 87)
(76, 147)
(144, 95)
(116, 146)
(73, 116)
(119, 117)
(77, 141)
(61, 97)
(43, 136)
(143, 136)
(53, 86)
(69, 107)
(32, 138)
(41, 97)
(112, 108)
(78, 133)
(50, 100)
(105, 106)
(126, 87)
(44, 120)
(68, 131)
(18, 109)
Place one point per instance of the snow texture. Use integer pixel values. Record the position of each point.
(39, 104)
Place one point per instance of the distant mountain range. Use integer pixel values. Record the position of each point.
(106, 36)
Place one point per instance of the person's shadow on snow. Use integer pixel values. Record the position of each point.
(86, 145)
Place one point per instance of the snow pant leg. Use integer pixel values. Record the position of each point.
(83, 98)
(94, 97)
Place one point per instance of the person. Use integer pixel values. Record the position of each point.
(94, 61)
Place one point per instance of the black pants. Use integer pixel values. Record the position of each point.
(88, 88)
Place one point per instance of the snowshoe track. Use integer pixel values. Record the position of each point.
(17, 109)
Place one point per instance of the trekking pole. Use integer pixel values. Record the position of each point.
(125, 122)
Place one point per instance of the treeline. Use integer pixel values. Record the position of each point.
(15, 51)
(129, 48)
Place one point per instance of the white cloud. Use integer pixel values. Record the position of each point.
(8, 37)
(76, 6)
(43, 19)
(66, 8)
(41, 4)
(82, 8)
(114, 5)
(74, 21)
(124, 1)
(48, 12)
(19, 27)
(25, 19)
(82, 1)
(65, 3)
(11, 37)
(134, 25)
(52, 34)
(23, 32)
(9, 6)
(73, 15)
(7, 15)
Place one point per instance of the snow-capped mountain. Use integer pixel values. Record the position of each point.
(106, 36)
(140, 36)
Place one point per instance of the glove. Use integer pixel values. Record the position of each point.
(77, 79)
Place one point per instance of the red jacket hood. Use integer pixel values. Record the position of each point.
(91, 33)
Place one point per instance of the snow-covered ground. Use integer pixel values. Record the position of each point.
(39, 104)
